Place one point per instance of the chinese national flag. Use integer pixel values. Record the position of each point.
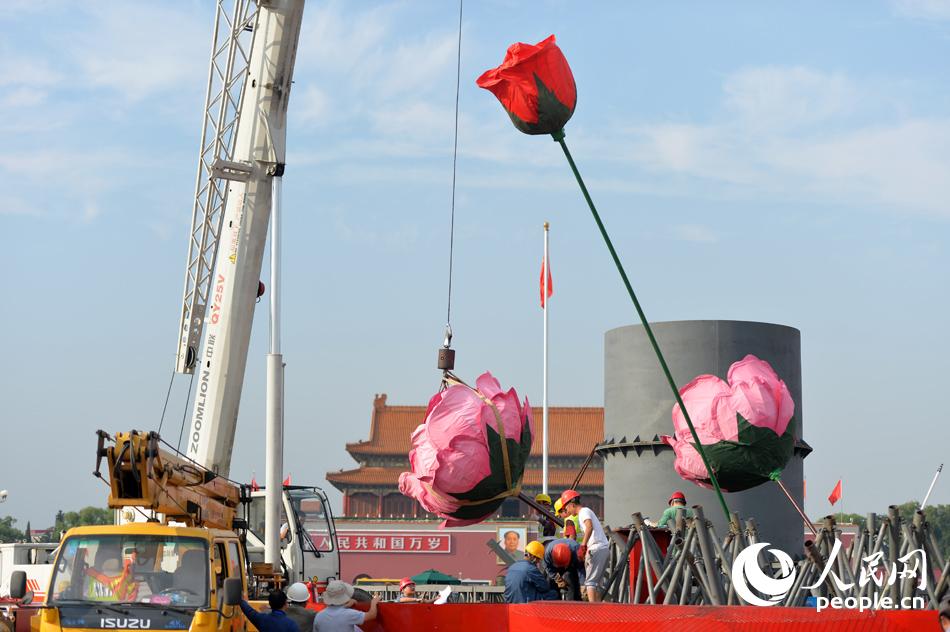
(835, 495)
(287, 480)
(545, 295)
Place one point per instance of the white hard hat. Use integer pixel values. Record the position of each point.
(298, 593)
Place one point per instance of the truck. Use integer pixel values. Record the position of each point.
(185, 572)
(184, 568)
(33, 558)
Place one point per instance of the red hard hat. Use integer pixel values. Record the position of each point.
(561, 555)
(406, 581)
(568, 496)
(677, 495)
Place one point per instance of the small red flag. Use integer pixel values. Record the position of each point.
(835, 493)
(287, 480)
(545, 295)
(254, 486)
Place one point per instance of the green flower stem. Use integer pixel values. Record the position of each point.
(559, 138)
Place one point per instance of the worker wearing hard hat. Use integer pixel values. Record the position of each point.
(408, 594)
(298, 595)
(571, 529)
(546, 527)
(562, 565)
(525, 582)
(676, 501)
(594, 549)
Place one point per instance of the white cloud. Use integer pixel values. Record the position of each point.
(23, 98)
(312, 108)
(332, 42)
(769, 98)
(695, 233)
(90, 211)
(80, 179)
(419, 66)
(903, 165)
(17, 206)
(398, 238)
(802, 134)
(19, 71)
(140, 50)
(923, 9)
(13, 9)
(358, 72)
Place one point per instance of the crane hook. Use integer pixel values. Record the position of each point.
(446, 353)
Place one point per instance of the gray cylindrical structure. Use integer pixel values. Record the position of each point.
(638, 404)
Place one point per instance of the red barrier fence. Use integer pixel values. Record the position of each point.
(559, 616)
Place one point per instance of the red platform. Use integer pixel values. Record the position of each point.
(550, 616)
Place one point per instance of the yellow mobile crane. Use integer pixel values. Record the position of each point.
(185, 572)
(187, 565)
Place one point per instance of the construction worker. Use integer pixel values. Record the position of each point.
(594, 549)
(298, 595)
(562, 566)
(546, 527)
(274, 621)
(668, 519)
(339, 614)
(111, 578)
(571, 529)
(525, 582)
(408, 594)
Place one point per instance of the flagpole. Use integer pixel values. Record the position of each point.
(544, 396)
(931, 488)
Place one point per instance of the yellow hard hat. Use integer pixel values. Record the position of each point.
(558, 505)
(542, 498)
(535, 548)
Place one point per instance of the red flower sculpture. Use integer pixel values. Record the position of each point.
(535, 86)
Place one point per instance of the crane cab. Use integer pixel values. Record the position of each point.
(307, 533)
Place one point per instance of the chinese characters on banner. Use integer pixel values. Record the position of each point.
(380, 542)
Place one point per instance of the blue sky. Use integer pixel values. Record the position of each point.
(756, 162)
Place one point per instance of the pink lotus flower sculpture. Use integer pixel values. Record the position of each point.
(468, 455)
(746, 426)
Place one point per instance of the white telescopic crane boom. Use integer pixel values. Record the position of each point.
(242, 185)
(240, 164)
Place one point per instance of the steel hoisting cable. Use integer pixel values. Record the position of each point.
(165, 407)
(455, 152)
(197, 466)
(184, 414)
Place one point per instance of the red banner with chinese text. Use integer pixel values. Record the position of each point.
(388, 542)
